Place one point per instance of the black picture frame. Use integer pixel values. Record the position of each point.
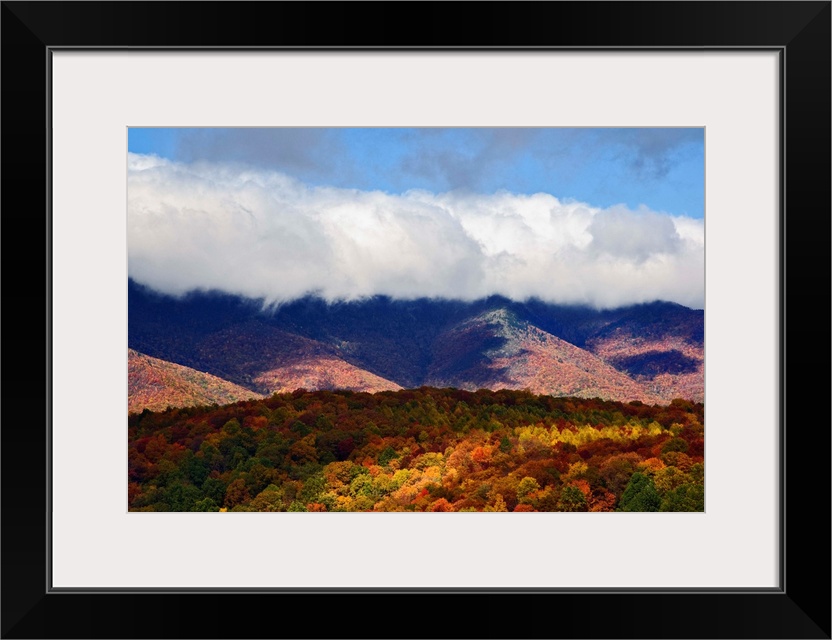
(799, 31)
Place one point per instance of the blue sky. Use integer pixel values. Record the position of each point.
(660, 168)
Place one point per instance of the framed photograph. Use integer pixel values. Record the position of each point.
(431, 332)
(532, 275)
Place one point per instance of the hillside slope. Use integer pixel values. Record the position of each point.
(498, 350)
(156, 384)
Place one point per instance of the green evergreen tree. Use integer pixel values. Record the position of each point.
(640, 495)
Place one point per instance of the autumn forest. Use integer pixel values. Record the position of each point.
(424, 449)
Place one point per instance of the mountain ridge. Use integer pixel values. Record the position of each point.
(651, 352)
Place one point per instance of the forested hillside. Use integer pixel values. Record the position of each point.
(423, 449)
(650, 352)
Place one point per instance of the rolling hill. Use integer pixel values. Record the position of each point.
(155, 384)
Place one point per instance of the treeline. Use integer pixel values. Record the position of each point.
(420, 449)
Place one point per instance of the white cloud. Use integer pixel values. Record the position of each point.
(262, 234)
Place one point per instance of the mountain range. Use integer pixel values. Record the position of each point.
(209, 347)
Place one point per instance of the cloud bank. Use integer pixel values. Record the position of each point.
(262, 234)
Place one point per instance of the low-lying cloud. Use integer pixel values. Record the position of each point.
(262, 234)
